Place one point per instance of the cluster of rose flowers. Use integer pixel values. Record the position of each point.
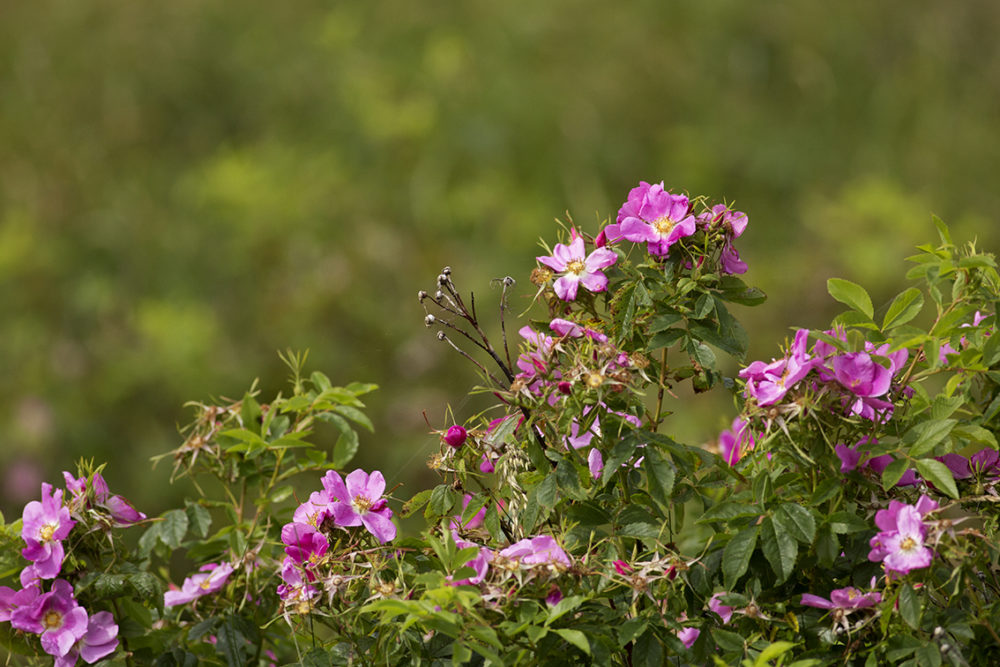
(650, 215)
(46, 605)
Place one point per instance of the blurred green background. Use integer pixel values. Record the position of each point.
(187, 187)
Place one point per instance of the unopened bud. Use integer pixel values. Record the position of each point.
(564, 387)
(442, 335)
(446, 271)
(601, 240)
(439, 295)
(455, 436)
(421, 295)
(508, 281)
(429, 320)
(442, 279)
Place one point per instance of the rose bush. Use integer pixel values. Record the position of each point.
(849, 516)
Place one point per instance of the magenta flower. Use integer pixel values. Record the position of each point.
(844, 599)
(455, 436)
(55, 616)
(768, 383)
(480, 563)
(45, 525)
(296, 591)
(900, 544)
(655, 217)
(314, 511)
(554, 597)
(210, 579)
(477, 519)
(985, 461)
(595, 463)
(725, 612)
(537, 551)
(578, 268)
(100, 640)
(360, 502)
(303, 543)
(861, 374)
(735, 442)
(688, 636)
(11, 600)
(536, 359)
(573, 330)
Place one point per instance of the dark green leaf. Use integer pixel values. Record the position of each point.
(736, 555)
(659, 476)
(909, 606)
(798, 521)
(779, 547)
(173, 528)
(547, 493)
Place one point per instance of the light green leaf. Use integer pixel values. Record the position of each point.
(938, 474)
(575, 637)
(851, 294)
(903, 308)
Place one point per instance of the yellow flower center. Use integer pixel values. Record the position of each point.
(576, 266)
(908, 544)
(594, 380)
(663, 225)
(47, 531)
(362, 504)
(52, 619)
(205, 584)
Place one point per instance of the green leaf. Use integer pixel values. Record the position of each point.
(771, 652)
(441, 501)
(893, 473)
(659, 476)
(798, 521)
(736, 555)
(925, 436)
(903, 308)
(173, 528)
(356, 416)
(250, 413)
(199, 519)
(780, 549)
(547, 493)
(844, 522)
(909, 606)
(416, 502)
(575, 637)
(345, 449)
(851, 294)
(938, 474)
